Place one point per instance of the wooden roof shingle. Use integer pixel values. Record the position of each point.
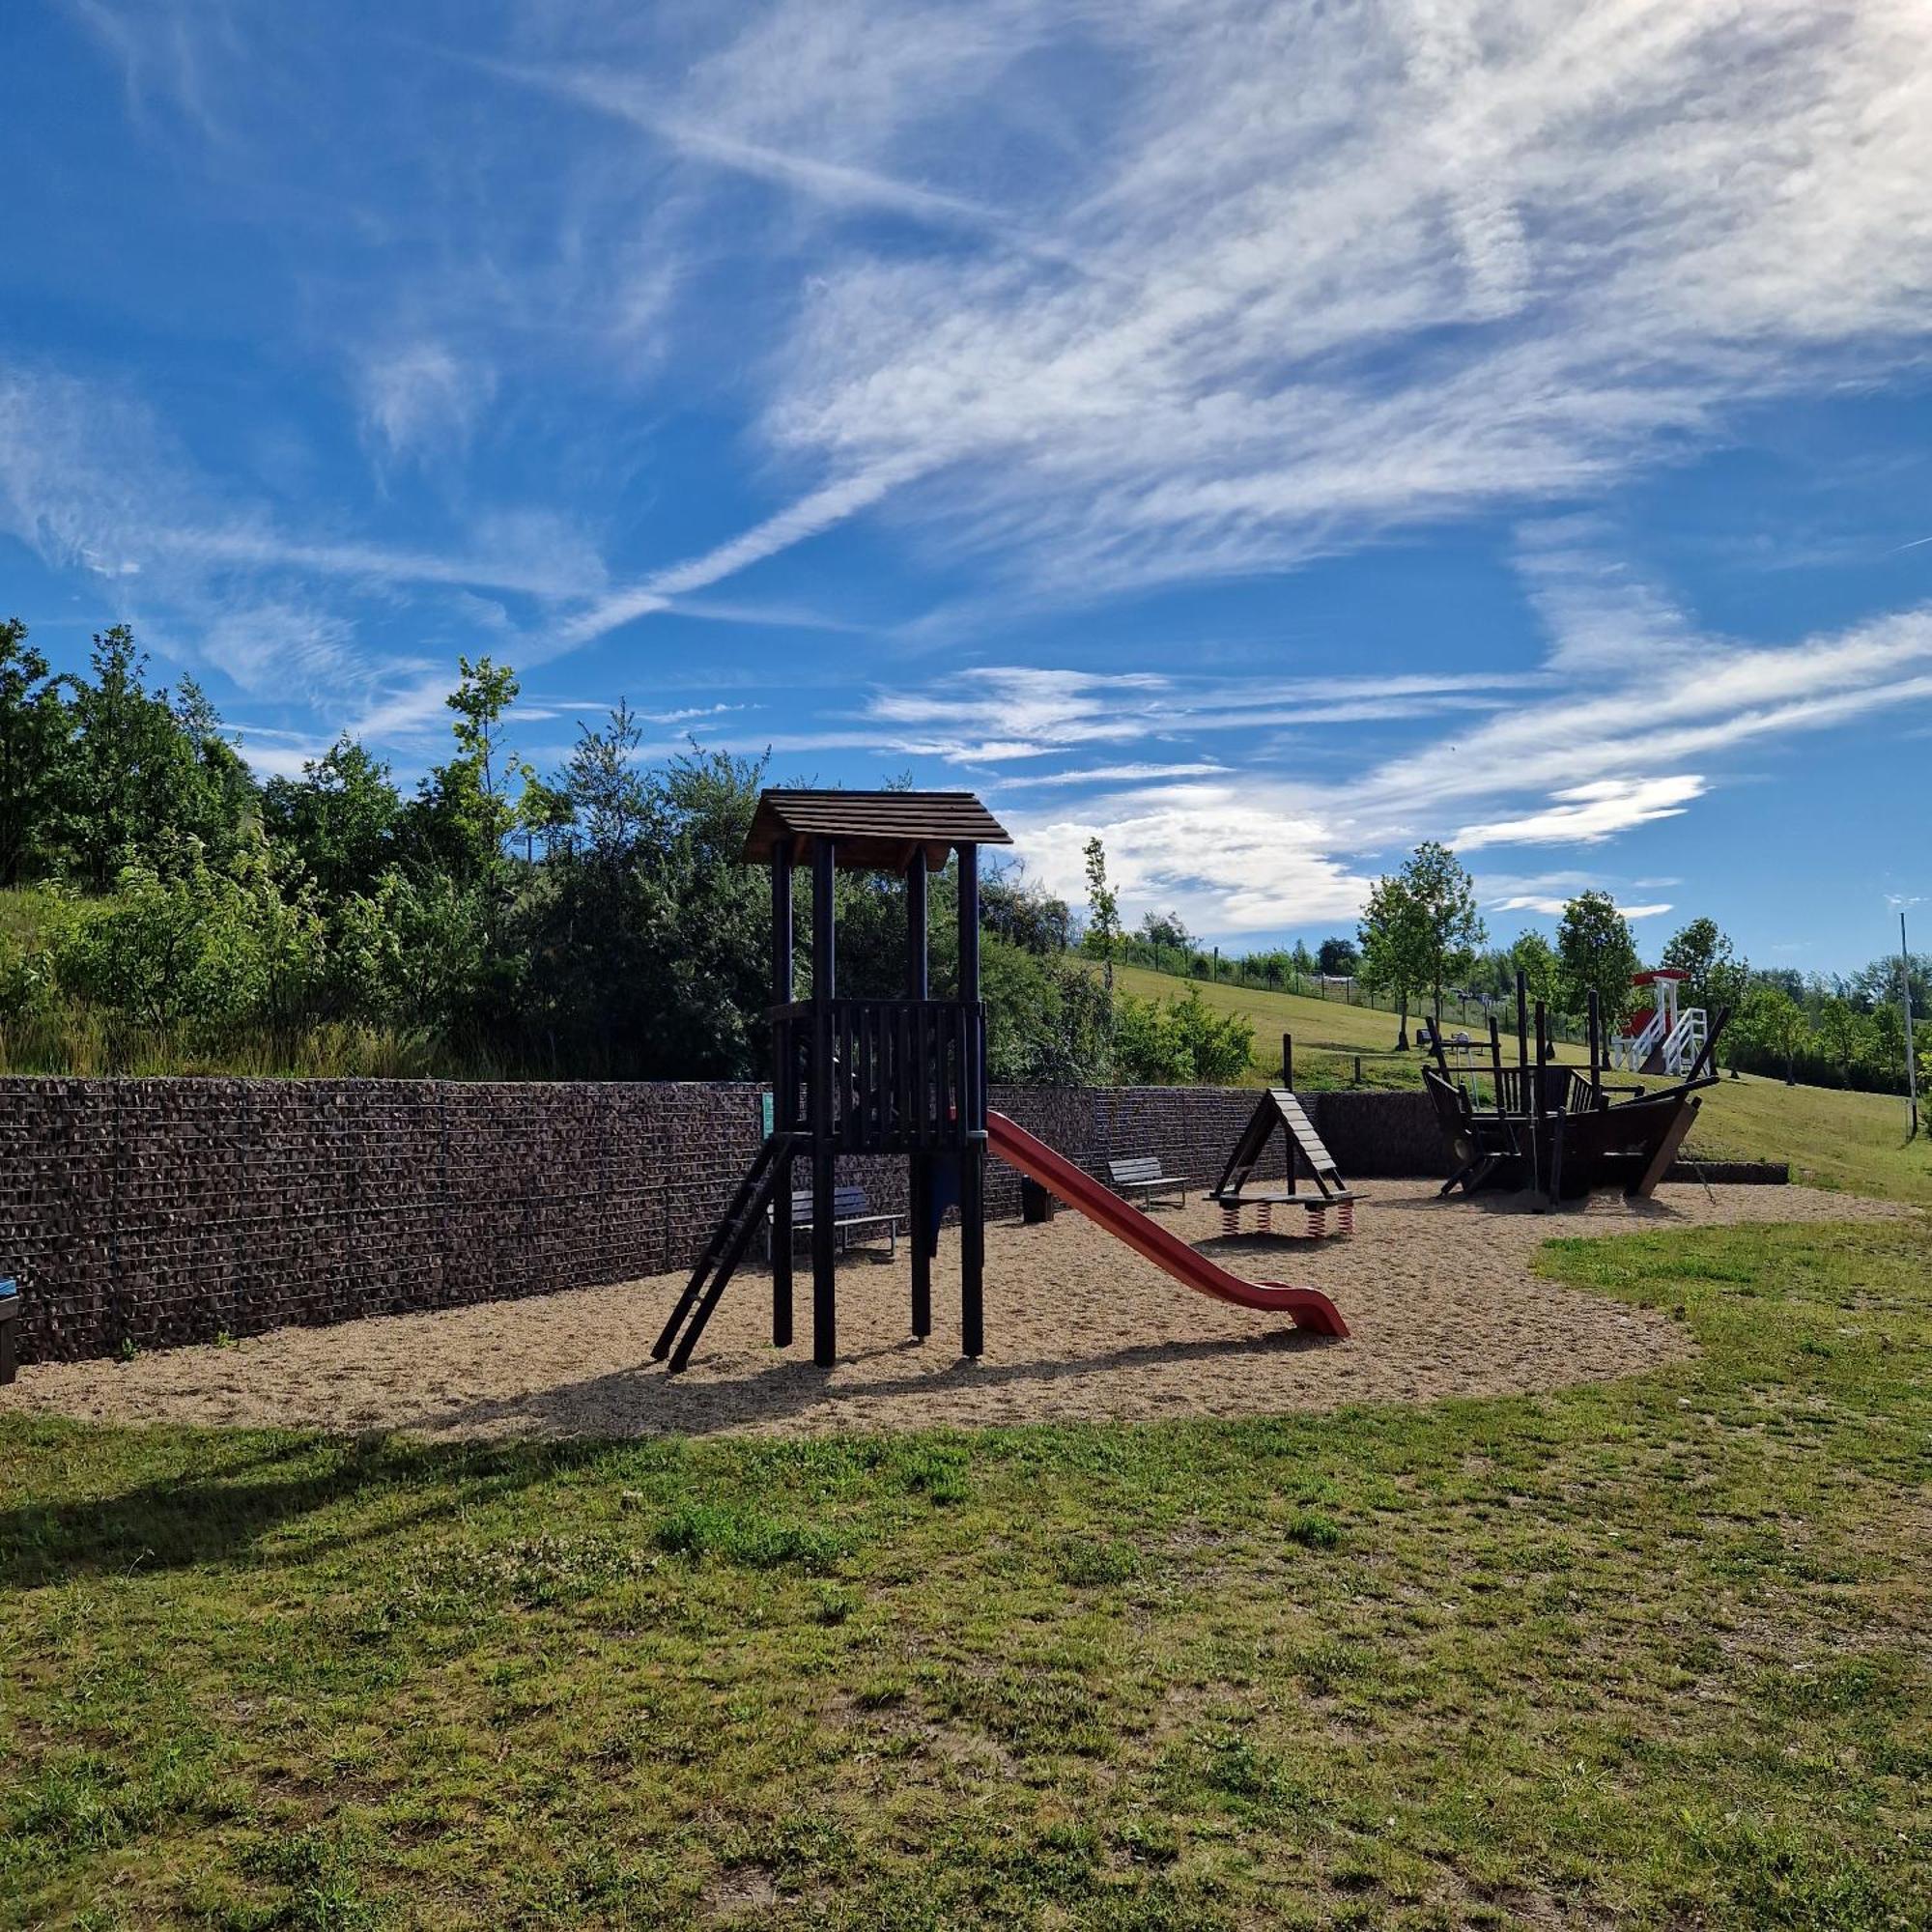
(872, 828)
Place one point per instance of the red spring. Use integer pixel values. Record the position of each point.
(1268, 1217)
(1347, 1213)
(1318, 1222)
(1230, 1218)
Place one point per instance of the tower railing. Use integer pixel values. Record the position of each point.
(900, 1072)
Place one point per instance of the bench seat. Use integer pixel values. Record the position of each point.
(1143, 1175)
(850, 1210)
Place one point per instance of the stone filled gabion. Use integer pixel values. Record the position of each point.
(141, 1214)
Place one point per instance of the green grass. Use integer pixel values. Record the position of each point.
(1646, 1654)
(1328, 1034)
(1853, 1141)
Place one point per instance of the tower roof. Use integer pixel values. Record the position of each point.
(872, 828)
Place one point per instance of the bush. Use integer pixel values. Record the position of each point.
(1163, 1043)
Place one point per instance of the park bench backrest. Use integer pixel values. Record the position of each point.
(848, 1203)
(1141, 1168)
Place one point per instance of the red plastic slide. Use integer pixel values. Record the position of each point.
(1309, 1306)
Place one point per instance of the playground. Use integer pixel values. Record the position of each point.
(1312, 1550)
(1441, 1300)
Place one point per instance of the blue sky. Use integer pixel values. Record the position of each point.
(1265, 435)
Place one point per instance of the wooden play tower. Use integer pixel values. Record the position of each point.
(863, 1076)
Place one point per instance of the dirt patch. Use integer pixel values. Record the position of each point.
(1439, 1297)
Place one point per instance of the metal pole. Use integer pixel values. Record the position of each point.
(1911, 1053)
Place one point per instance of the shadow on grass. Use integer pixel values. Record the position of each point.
(232, 1499)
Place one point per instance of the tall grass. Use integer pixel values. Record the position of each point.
(83, 1043)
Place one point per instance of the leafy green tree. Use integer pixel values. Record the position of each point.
(1166, 932)
(200, 951)
(416, 953)
(1595, 952)
(1103, 910)
(1714, 978)
(1843, 1035)
(466, 809)
(34, 740)
(1397, 944)
(1535, 959)
(339, 818)
(144, 776)
(1336, 958)
(1775, 1023)
(1023, 913)
(1047, 1020)
(1445, 900)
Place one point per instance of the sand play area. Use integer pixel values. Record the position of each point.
(1439, 1297)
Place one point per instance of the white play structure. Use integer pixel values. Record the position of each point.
(1667, 1041)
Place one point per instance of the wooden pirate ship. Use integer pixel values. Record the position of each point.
(1557, 1131)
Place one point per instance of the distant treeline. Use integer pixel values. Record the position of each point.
(160, 910)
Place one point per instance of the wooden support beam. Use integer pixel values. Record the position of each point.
(824, 1162)
(973, 1104)
(785, 1093)
(918, 1163)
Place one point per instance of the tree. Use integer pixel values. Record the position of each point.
(34, 735)
(147, 784)
(466, 809)
(339, 818)
(1774, 1021)
(1103, 911)
(1445, 901)
(1336, 957)
(1396, 941)
(1022, 913)
(1843, 1035)
(1535, 959)
(1595, 953)
(1165, 929)
(1715, 977)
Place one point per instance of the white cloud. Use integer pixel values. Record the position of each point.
(1588, 813)
(1551, 905)
(421, 398)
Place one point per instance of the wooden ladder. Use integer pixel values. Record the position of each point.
(723, 1253)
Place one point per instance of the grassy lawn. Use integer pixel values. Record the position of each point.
(1849, 1140)
(1328, 1034)
(1647, 1654)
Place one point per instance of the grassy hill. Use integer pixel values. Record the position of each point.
(1833, 1139)
(1328, 1034)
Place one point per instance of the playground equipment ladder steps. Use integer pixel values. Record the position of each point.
(1685, 1040)
(1303, 1129)
(723, 1253)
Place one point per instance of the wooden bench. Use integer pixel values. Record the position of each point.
(1142, 1174)
(850, 1208)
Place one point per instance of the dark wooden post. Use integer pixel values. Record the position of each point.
(824, 1159)
(973, 1099)
(785, 1093)
(1497, 1061)
(1596, 1053)
(919, 1190)
(1524, 1100)
(1288, 1061)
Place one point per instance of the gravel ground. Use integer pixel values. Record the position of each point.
(1439, 1297)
